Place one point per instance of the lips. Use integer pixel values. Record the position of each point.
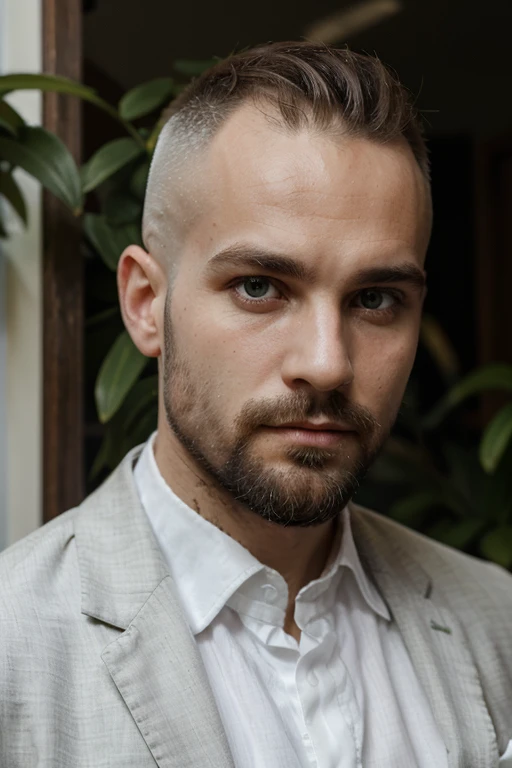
(326, 426)
(321, 435)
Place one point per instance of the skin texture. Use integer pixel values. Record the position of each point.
(323, 348)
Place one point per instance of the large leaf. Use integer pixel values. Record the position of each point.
(490, 377)
(9, 118)
(11, 191)
(41, 82)
(132, 424)
(497, 545)
(142, 397)
(145, 98)
(107, 160)
(57, 84)
(496, 438)
(47, 159)
(120, 370)
(110, 241)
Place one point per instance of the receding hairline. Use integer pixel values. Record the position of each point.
(332, 92)
(176, 151)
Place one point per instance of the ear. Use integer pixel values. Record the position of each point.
(142, 286)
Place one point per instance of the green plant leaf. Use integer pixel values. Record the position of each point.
(47, 159)
(9, 118)
(119, 371)
(122, 208)
(142, 396)
(141, 430)
(57, 84)
(132, 424)
(109, 241)
(193, 68)
(41, 82)
(107, 160)
(497, 545)
(490, 377)
(145, 98)
(11, 191)
(496, 438)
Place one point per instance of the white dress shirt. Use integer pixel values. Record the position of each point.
(346, 695)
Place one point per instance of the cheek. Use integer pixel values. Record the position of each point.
(382, 370)
(231, 363)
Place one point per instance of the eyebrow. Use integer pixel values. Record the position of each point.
(243, 256)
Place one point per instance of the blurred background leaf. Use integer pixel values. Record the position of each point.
(47, 159)
(107, 161)
(145, 98)
(118, 374)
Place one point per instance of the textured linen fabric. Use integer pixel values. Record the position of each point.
(99, 668)
(345, 696)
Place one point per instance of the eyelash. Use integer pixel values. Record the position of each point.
(396, 295)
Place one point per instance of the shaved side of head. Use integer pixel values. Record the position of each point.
(307, 86)
(171, 200)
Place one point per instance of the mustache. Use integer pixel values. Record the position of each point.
(301, 407)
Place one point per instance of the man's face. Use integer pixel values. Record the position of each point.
(297, 301)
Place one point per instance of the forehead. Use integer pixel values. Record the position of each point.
(301, 189)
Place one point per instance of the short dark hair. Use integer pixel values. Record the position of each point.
(311, 84)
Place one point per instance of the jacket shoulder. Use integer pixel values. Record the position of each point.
(37, 548)
(468, 582)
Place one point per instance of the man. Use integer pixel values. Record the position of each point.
(219, 600)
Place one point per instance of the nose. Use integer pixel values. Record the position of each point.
(319, 352)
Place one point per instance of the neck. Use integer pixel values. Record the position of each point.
(298, 554)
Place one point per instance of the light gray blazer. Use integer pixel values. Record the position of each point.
(99, 669)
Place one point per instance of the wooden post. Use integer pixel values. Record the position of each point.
(63, 482)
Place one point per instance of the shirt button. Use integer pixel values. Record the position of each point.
(305, 736)
(270, 592)
(312, 678)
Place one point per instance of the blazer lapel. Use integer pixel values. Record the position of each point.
(435, 641)
(154, 662)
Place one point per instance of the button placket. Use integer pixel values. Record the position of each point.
(312, 678)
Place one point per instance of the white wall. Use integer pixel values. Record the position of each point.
(21, 303)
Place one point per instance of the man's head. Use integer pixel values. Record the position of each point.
(287, 218)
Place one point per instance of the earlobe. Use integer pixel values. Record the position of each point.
(142, 288)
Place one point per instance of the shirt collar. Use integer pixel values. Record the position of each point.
(210, 568)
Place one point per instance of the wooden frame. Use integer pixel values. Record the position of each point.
(63, 482)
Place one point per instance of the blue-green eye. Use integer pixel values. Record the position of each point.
(374, 299)
(256, 287)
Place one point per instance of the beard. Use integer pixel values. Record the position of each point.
(314, 484)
